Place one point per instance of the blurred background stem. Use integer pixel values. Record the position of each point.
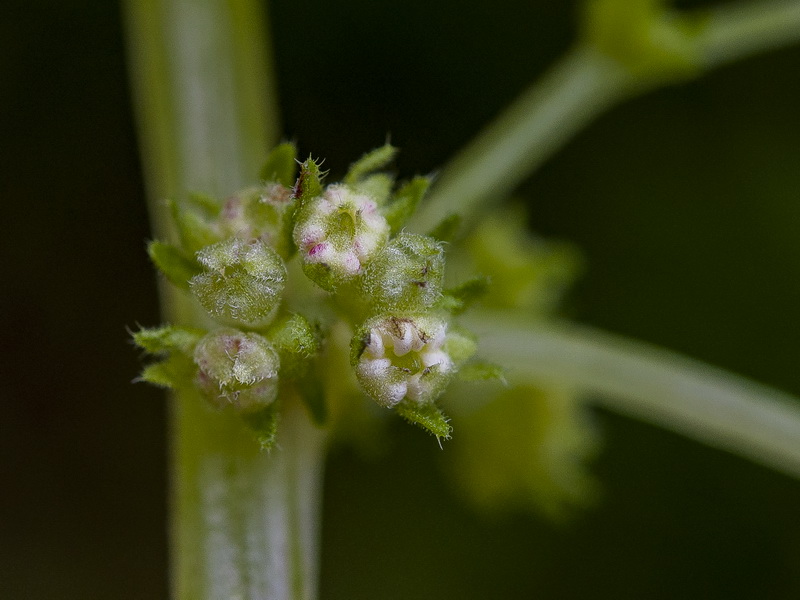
(244, 523)
(712, 406)
(577, 89)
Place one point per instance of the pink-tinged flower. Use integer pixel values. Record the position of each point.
(403, 358)
(338, 233)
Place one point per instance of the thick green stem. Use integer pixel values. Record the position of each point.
(244, 523)
(710, 405)
(579, 88)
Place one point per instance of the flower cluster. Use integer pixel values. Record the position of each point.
(235, 258)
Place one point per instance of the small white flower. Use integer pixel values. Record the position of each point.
(403, 357)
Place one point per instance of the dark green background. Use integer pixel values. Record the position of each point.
(686, 203)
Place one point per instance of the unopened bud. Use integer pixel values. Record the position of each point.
(407, 274)
(241, 281)
(257, 213)
(237, 368)
(338, 233)
(297, 342)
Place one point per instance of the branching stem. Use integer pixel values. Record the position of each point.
(576, 90)
(739, 30)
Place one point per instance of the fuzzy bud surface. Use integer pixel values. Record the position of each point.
(242, 281)
(237, 368)
(407, 274)
(337, 233)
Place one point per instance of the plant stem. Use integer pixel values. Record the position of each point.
(739, 30)
(244, 524)
(710, 405)
(577, 89)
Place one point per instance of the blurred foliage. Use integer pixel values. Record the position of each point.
(684, 203)
(525, 272)
(645, 36)
(525, 448)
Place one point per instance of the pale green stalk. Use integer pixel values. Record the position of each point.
(552, 111)
(576, 90)
(710, 405)
(739, 30)
(244, 523)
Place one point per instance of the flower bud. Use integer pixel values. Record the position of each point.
(297, 342)
(237, 368)
(399, 358)
(241, 281)
(257, 213)
(337, 233)
(407, 274)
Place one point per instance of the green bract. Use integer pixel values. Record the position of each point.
(281, 165)
(176, 265)
(174, 347)
(165, 340)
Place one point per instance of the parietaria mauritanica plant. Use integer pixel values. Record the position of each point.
(268, 332)
(299, 290)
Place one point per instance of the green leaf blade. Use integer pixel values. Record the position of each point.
(448, 228)
(264, 426)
